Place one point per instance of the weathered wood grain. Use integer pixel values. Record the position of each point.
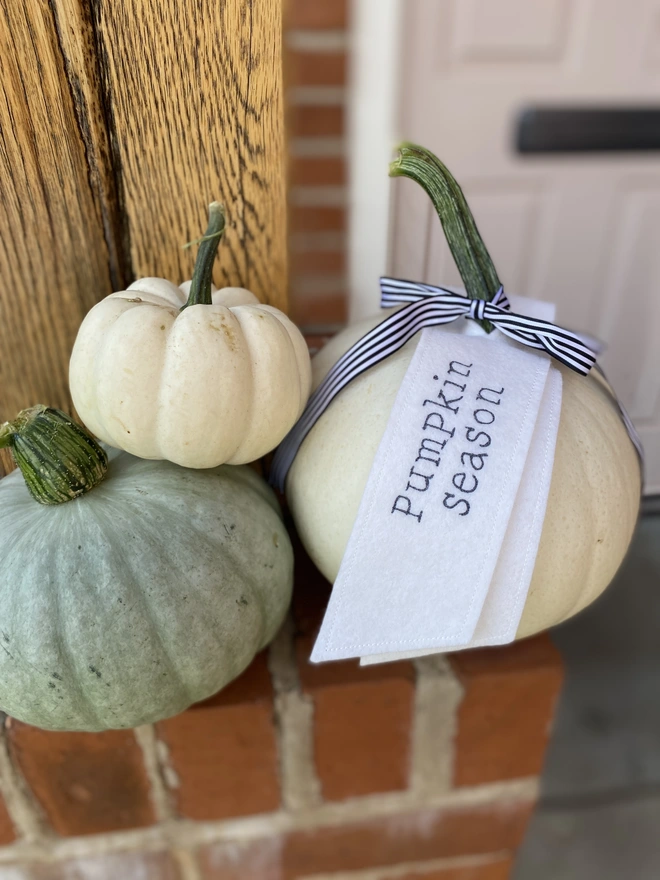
(194, 90)
(53, 256)
(78, 44)
(119, 121)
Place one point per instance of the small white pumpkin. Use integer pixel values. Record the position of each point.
(127, 597)
(595, 489)
(194, 375)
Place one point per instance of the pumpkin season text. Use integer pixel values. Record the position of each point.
(441, 415)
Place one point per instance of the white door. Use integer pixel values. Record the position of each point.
(582, 230)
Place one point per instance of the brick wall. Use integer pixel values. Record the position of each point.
(316, 78)
(424, 771)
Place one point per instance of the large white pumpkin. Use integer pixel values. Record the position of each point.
(595, 488)
(594, 494)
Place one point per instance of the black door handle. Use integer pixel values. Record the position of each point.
(588, 129)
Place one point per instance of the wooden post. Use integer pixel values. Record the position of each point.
(120, 120)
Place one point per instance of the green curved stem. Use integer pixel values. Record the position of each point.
(200, 288)
(59, 459)
(468, 250)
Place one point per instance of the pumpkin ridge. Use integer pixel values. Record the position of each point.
(86, 709)
(303, 365)
(243, 475)
(237, 570)
(303, 393)
(112, 342)
(607, 443)
(99, 362)
(142, 595)
(249, 398)
(247, 581)
(284, 334)
(15, 615)
(245, 576)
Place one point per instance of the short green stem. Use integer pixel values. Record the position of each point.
(468, 250)
(59, 459)
(200, 288)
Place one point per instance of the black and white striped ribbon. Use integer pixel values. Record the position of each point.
(426, 306)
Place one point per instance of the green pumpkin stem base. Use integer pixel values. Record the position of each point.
(59, 460)
(202, 278)
(468, 250)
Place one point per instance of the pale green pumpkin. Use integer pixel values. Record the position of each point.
(130, 602)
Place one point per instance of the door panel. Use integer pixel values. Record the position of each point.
(578, 229)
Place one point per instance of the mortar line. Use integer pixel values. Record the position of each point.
(187, 864)
(438, 695)
(160, 795)
(407, 869)
(188, 835)
(294, 722)
(24, 812)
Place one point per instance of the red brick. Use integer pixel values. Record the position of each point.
(362, 715)
(224, 750)
(307, 218)
(87, 783)
(256, 860)
(499, 869)
(362, 737)
(318, 261)
(421, 836)
(319, 309)
(7, 833)
(254, 685)
(315, 68)
(113, 866)
(312, 121)
(262, 860)
(316, 14)
(317, 171)
(506, 713)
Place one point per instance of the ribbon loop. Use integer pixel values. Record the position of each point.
(477, 309)
(564, 346)
(425, 306)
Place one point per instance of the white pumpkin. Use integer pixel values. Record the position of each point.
(594, 493)
(201, 377)
(595, 489)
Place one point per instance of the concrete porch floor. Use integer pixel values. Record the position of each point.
(599, 813)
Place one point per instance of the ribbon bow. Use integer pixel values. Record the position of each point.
(566, 347)
(427, 306)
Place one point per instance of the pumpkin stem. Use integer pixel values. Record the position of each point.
(468, 250)
(59, 459)
(200, 288)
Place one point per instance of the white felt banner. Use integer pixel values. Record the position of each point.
(505, 600)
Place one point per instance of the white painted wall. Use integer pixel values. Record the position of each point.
(372, 114)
